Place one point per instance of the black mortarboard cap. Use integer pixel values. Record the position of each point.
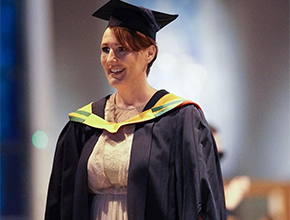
(141, 19)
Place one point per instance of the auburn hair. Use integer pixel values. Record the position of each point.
(134, 41)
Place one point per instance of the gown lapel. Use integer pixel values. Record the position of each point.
(81, 196)
(139, 164)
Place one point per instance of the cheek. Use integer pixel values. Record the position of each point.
(135, 59)
(103, 59)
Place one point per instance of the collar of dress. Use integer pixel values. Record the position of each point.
(165, 104)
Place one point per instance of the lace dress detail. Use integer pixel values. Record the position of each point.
(108, 166)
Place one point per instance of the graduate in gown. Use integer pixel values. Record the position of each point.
(140, 153)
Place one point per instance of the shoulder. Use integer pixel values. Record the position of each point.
(72, 129)
(192, 109)
(189, 108)
(192, 116)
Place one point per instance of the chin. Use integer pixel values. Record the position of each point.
(115, 83)
(118, 80)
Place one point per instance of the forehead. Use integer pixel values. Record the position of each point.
(109, 37)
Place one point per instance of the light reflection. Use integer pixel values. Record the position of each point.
(40, 139)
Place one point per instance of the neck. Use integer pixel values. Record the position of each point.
(134, 96)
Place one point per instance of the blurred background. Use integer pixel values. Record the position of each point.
(231, 57)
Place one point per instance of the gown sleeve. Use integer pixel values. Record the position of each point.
(61, 185)
(199, 180)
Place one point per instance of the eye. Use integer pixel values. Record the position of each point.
(106, 49)
(121, 49)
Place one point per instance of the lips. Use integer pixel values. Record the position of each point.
(117, 71)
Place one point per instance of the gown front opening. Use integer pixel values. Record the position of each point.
(109, 163)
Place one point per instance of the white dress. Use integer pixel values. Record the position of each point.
(108, 166)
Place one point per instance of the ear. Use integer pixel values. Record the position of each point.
(151, 53)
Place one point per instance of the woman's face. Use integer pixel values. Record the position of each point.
(123, 68)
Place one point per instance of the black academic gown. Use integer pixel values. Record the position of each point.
(174, 170)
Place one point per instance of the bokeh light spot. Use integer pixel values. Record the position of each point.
(40, 139)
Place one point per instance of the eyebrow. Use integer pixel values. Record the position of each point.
(115, 44)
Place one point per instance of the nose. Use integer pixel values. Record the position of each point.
(111, 56)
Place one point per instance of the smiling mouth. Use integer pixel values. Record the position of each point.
(116, 71)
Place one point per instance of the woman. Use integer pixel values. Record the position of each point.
(138, 153)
